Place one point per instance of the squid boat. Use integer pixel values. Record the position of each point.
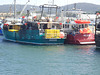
(82, 33)
(41, 32)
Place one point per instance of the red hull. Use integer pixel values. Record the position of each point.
(81, 39)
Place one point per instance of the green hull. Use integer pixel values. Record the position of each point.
(30, 36)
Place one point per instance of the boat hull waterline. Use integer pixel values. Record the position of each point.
(81, 39)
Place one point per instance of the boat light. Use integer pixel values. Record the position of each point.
(38, 23)
(6, 24)
(60, 23)
(23, 16)
(25, 23)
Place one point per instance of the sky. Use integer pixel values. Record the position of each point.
(41, 2)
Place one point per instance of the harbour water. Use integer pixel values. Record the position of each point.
(22, 59)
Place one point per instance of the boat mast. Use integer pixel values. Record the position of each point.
(53, 2)
(10, 10)
(75, 6)
(14, 8)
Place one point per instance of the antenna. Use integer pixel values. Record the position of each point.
(75, 6)
(28, 0)
(14, 8)
(10, 10)
(67, 5)
(53, 2)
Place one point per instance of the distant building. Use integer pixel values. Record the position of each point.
(3, 15)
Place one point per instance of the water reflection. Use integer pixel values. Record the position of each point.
(49, 60)
(86, 49)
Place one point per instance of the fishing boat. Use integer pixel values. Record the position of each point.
(81, 33)
(44, 31)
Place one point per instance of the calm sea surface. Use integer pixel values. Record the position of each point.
(20, 59)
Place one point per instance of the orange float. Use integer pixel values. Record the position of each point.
(61, 35)
(81, 31)
(85, 30)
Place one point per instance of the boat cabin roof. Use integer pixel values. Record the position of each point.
(82, 22)
(49, 22)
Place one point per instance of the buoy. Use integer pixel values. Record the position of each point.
(60, 23)
(57, 17)
(61, 35)
(85, 30)
(25, 23)
(35, 16)
(81, 31)
(23, 16)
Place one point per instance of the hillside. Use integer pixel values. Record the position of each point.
(88, 7)
(6, 8)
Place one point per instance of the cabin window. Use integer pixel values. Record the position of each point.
(53, 27)
(34, 26)
(10, 27)
(66, 25)
(80, 26)
(98, 26)
(43, 26)
(58, 26)
(86, 25)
